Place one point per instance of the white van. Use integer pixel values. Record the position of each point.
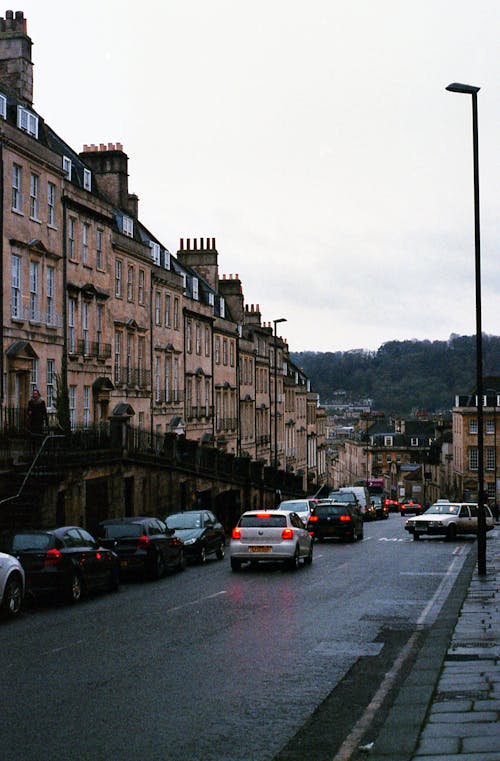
(363, 497)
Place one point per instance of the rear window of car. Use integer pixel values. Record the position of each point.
(295, 507)
(184, 520)
(32, 542)
(325, 511)
(263, 520)
(121, 530)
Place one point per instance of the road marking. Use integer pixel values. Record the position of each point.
(423, 573)
(351, 743)
(196, 602)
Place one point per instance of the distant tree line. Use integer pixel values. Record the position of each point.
(402, 376)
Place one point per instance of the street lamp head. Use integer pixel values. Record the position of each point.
(467, 89)
(280, 319)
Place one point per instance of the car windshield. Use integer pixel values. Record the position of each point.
(263, 520)
(294, 507)
(184, 520)
(442, 510)
(32, 542)
(121, 530)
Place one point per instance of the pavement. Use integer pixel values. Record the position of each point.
(448, 708)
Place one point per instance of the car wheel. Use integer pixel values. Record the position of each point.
(235, 564)
(159, 568)
(309, 557)
(75, 590)
(416, 537)
(202, 557)
(452, 532)
(361, 534)
(181, 565)
(114, 581)
(221, 551)
(293, 563)
(12, 596)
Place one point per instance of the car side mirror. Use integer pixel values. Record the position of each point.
(169, 531)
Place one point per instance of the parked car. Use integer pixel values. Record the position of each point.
(201, 532)
(12, 581)
(336, 520)
(410, 506)
(144, 545)
(302, 507)
(448, 519)
(66, 562)
(270, 536)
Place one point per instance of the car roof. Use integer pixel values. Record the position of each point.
(263, 511)
(129, 519)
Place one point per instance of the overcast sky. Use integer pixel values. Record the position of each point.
(315, 141)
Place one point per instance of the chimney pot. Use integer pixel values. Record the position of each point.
(102, 147)
(195, 244)
(213, 243)
(188, 242)
(119, 146)
(111, 146)
(201, 244)
(181, 246)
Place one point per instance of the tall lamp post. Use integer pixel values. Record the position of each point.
(481, 518)
(275, 339)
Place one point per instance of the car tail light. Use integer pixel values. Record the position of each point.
(313, 518)
(236, 534)
(287, 533)
(143, 542)
(345, 518)
(263, 515)
(52, 557)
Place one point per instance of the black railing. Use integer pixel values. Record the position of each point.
(93, 349)
(132, 377)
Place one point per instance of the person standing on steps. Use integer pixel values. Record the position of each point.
(38, 420)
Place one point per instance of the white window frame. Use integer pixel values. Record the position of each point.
(99, 261)
(34, 196)
(118, 278)
(195, 289)
(128, 226)
(85, 242)
(72, 407)
(27, 121)
(67, 165)
(388, 441)
(130, 282)
(16, 280)
(87, 179)
(472, 425)
(222, 307)
(118, 356)
(51, 204)
(473, 458)
(71, 238)
(157, 308)
(34, 291)
(155, 251)
(140, 286)
(85, 328)
(34, 374)
(86, 406)
(490, 458)
(50, 277)
(72, 307)
(3, 106)
(51, 384)
(17, 183)
(168, 308)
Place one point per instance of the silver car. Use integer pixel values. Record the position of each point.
(11, 585)
(270, 536)
(302, 507)
(448, 519)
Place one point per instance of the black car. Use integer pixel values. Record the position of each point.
(336, 520)
(143, 544)
(201, 533)
(66, 562)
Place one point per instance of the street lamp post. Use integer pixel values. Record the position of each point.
(275, 339)
(481, 519)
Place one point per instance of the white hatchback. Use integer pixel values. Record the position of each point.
(270, 536)
(11, 585)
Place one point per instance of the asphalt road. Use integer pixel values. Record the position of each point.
(208, 664)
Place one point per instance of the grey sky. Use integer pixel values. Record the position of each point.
(315, 141)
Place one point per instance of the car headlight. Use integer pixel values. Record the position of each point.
(190, 541)
(410, 523)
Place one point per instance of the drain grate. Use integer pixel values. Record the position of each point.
(461, 694)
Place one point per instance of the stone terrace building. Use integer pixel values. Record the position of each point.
(96, 310)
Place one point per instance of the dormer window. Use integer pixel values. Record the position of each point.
(67, 166)
(167, 259)
(128, 226)
(3, 106)
(27, 121)
(87, 179)
(184, 280)
(195, 288)
(155, 251)
(388, 441)
(414, 441)
(222, 307)
(211, 299)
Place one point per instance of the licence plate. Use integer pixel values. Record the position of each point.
(420, 528)
(123, 563)
(262, 548)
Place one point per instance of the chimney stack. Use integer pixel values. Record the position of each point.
(109, 165)
(16, 66)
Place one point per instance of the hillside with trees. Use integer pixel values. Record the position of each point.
(402, 376)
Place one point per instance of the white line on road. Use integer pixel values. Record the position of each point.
(351, 743)
(196, 602)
